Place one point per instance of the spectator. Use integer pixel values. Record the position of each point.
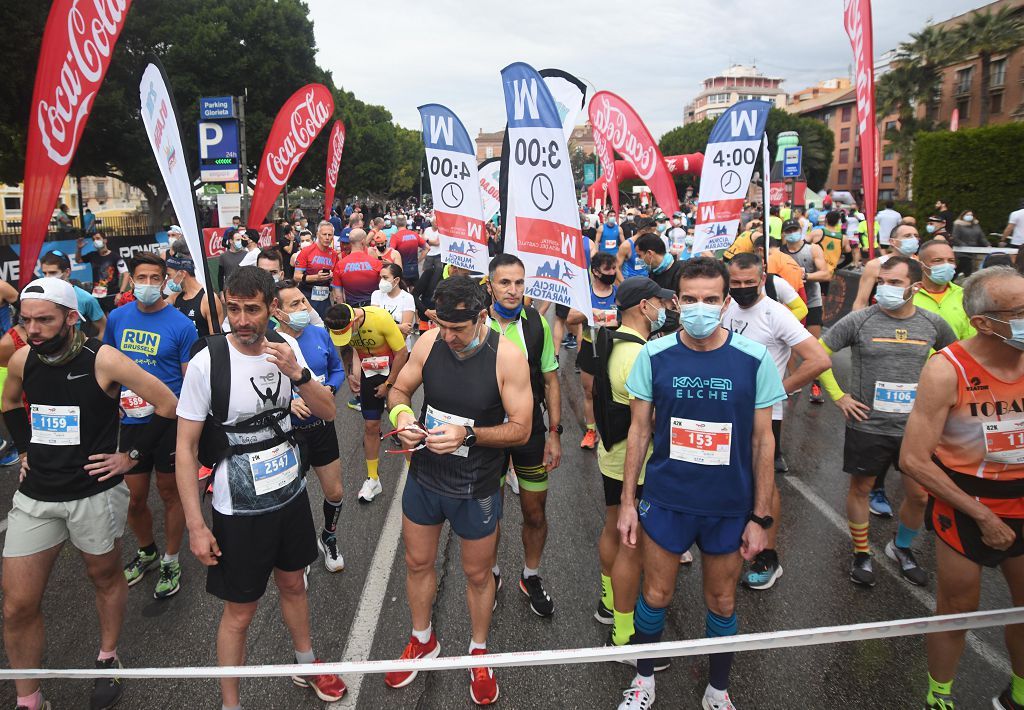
(90, 222)
(65, 223)
(942, 210)
(1015, 228)
(229, 233)
(887, 220)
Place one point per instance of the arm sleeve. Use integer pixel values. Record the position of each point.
(769, 385)
(639, 384)
(828, 378)
(548, 363)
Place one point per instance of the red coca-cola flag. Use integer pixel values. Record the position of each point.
(857, 21)
(626, 133)
(297, 125)
(78, 43)
(334, 148)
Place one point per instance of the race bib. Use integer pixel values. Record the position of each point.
(134, 406)
(435, 418)
(606, 317)
(55, 426)
(378, 365)
(707, 443)
(1004, 441)
(611, 244)
(99, 291)
(895, 397)
(320, 293)
(273, 468)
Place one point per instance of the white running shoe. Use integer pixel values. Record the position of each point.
(513, 481)
(333, 560)
(639, 695)
(370, 490)
(710, 702)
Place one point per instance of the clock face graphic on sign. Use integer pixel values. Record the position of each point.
(730, 182)
(542, 192)
(452, 195)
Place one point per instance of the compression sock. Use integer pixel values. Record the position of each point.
(859, 533)
(423, 636)
(331, 512)
(305, 656)
(649, 623)
(371, 468)
(935, 686)
(719, 663)
(1017, 688)
(607, 597)
(622, 627)
(31, 702)
(905, 536)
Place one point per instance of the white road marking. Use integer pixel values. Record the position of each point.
(364, 625)
(994, 658)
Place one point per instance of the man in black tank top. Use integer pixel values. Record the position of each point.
(187, 294)
(71, 474)
(477, 402)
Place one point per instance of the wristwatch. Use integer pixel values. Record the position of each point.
(766, 522)
(135, 454)
(470, 439)
(305, 377)
(556, 429)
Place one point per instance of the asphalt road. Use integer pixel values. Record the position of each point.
(814, 591)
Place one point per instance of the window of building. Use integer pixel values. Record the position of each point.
(856, 176)
(884, 195)
(887, 174)
(847, 113)
(889, 154)
(844, 176)
(844, 156)
(996, 102)
(826, 117)
(889, 126)
(844, 135)
(964, 107)
(856, 154)
(998, 73)
(12, 204)
(489, 152)
(962, 82)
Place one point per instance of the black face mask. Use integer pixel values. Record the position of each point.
(606, 279)
(746, 296)
(54, 345)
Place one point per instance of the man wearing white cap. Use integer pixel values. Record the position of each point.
(71, 475)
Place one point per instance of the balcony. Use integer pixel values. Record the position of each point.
(962, 88)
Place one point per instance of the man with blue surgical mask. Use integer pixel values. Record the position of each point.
(938, 293)
(903, 241)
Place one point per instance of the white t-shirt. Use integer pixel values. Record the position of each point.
(396, 305)
(250, 258)
(851, 228)
(773, 325)
(785, 292)
(233, 484)
(1017, 220)
(887, 220)
(431, 233)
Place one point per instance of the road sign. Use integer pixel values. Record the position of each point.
(589, 174)
(217, 107)
(218, 150)
(213, 188)
(792, 158)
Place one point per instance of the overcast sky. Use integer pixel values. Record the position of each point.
(404, 53)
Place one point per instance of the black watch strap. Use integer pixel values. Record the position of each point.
(305, 377)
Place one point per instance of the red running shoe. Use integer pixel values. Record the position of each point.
(483, 688)
(414, 649)
(328, 687)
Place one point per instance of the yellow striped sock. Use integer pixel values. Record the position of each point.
(859, 533)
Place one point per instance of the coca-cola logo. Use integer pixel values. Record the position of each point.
(337, 145)
(605, 155)
(855, 30)
(305, 122)
(64, 105)
(613, 124)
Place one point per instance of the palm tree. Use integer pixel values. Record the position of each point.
(985, 34)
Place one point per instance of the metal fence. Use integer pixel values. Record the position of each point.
(134, 225)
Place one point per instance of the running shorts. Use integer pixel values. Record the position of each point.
(373, 406)
(470, 518)
(159, 459)
(321, 442)
(867, 454)
(677, 532)
(960, 532)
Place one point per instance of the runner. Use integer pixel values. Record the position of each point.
(314, 268)
(706, 393)
(890, 341)
(476, 404)
(108, 269)
(239, 423)
(185, 292)
(903, 241)
(761, 319)
(629, 261)
(71, 476)
(542, 453)
(938, 293)
(411, 247)
(964, 445)
(609, 236)
(318, 436)
(368, 336)
(357, 275)
(676, 236)
(56, 264)
(392, 296)
(159, 339)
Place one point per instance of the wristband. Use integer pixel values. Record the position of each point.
(152, 432)
(393, 415)
(19, 428)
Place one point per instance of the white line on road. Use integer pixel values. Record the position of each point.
(983, 649)
(364, 626)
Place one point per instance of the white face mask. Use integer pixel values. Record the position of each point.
(386, 286)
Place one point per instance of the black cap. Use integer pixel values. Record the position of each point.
(790, 225)
(637, 288)
(644, 223)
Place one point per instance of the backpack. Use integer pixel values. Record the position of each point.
(612, 418)
(769, 288)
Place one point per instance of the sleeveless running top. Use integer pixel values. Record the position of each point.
(605, 313)
(609, 239)
(463, 392)
(634, 265)
(982, 444)
(193, 308)
(803, 257)
(71, 419)
(832, 244)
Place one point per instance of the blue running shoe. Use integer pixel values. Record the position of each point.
(10, 458)
(878, 504)
(764, 571)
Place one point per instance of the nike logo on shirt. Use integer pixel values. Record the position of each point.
(75, 377)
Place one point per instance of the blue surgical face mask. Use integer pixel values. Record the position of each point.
(666, 261)
(942, 274)
(1016, 339)
(909, 245)
(688, 240)
(700, 320)
(174, 287)
(891, 298)
(659, 320)
(793, 237)
(662, 226)
(146, 294)
(930, 228)
(507, 313)
(474, 343)
(299, 319)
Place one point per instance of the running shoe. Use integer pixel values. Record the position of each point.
(169, 582)
(589, 440)
(10, 458)
(816, 396)
(540, 602)
(106, 691)
(328, 544)
(639, 695)
(861, 571)
(946, 702)
(140, 564)
(764, 571)
(513, 481)
(780, 463)
(660, 664)
(45, 706)
(413, 649)
(355, 405)
(604, 615)
(569, 343)
(483, 688)
(878, 504)
(370, 490)
(305, 577)
(497, 588)
(911, 571)
(1003, 702)
(709, 702)
(328, 687)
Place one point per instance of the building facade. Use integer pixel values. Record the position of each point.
(735, 84)
(488, 145)
(105, 196)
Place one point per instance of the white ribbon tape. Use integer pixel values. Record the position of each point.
(695, 647)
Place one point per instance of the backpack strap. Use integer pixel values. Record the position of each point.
(769, 287)
(220, 376)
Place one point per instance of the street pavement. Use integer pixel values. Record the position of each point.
(814, 591)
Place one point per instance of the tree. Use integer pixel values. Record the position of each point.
(985, 34)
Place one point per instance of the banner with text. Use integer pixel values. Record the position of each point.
(733, 148)
(607, 158)
(297, 125)
(542, 225)
(490, 187)
(857, 22)
(335, 146)
(626, 133)
(78, 42)
(455, 184)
